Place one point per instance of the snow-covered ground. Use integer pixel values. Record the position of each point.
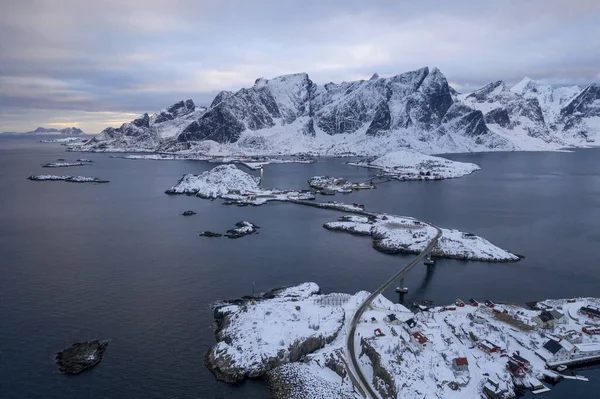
(268, 335)
(70, 179)
(397, 234)
(407, 164)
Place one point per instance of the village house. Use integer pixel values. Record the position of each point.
(460, 364)
(419, 340)
(488, 347)
(559, 317)
(545, 319)
(555, 351)
(521, 361)
(574, 337)
(391, 319)
(493, 390)
(515, 368)
(411, 325)
(591, 331)
(589, 312)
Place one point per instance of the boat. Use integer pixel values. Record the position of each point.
(561, 368)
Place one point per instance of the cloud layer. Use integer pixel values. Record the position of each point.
(93, 64)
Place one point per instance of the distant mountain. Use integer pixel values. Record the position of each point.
(146, 132)
(51, 130)
(290, 114)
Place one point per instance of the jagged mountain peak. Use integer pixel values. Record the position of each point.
(375, 76)
(489, 90)
(524, 84)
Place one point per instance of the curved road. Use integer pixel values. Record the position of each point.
(365, 386)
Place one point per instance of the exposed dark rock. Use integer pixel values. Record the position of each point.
(467, 120)
(80, 356)
(243, 229)
(209, 234)
(188, 213)
(498, 116)
(383, 381)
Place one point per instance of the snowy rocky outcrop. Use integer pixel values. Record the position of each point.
(217, 182)
(407, 164)
(69, 179)
(282, 326)
(146, 132)
(234, 185)
(396, 234)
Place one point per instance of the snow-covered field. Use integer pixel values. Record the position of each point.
(408, 355)
(407, 164)
(397, 234)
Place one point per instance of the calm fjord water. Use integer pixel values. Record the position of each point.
(116, 261)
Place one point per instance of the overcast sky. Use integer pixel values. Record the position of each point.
(97, 63)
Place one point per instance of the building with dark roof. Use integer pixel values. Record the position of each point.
(515, 368)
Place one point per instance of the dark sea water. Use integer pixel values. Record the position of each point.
(116, 261)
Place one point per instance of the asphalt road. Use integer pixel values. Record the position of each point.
(364, 385)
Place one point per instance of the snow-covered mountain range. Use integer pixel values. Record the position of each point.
(419, 110)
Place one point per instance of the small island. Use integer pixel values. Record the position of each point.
(68, 179)
(408, 164)
(64, 164)
(337, 184)
(398, 234)
(80, 356)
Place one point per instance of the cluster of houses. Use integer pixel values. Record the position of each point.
(416, 337)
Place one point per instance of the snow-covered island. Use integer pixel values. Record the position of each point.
(241, 229)
(398, 234)
(337, 184)
(232, 184)
(69, 179)
(64, 164)
(296, 337)
(408, 164)
(390, 233)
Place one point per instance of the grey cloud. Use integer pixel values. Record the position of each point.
(138, 56)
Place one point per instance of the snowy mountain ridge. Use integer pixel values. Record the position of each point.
(291, 115)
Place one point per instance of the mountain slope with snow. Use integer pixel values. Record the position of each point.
(290, 114)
